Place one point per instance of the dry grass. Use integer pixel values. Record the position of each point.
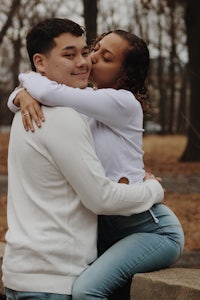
(3, 153)
(161, 157)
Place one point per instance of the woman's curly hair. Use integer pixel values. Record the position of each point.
(135, 67)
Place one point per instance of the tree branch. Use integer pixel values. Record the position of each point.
(15, 5)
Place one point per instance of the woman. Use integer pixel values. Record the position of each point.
(127, 245)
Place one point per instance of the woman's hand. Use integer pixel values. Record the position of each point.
(30, 110)
(152, 176)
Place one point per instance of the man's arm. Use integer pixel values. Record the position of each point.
(70, 142)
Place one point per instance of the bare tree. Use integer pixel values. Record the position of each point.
(15, 5)
(160, 70)
(172, 65)
(90, 16)
(165, 76)
(192, 13)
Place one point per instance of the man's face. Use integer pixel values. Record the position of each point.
(68, 62)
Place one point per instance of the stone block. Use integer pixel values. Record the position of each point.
(167, 284)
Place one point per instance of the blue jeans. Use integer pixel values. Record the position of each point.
(15, 295)
(140, 243)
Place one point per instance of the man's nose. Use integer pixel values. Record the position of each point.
(81, 60)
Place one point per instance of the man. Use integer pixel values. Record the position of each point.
(57, 185)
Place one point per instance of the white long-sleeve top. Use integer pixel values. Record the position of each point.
(56, 186)
(115, 118)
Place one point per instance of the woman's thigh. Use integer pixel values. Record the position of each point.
(160, 219)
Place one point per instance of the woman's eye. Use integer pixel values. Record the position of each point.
(106, 59)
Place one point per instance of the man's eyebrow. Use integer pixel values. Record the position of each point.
(74, 48)
(69, 48)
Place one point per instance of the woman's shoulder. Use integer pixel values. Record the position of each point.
(129, 98)
(121, 93)
(121, 99)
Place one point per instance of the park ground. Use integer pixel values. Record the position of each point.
(162, 153)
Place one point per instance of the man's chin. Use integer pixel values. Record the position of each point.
(82, 85)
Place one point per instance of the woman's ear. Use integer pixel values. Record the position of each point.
(39, 62)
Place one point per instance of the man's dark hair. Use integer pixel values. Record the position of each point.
(40, 39)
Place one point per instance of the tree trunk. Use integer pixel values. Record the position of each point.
(172, 68)
(15, 5)
(182, 110)
(90, 16)
(160, 73)
(192, 151)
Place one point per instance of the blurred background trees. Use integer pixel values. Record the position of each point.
(170, 28)
(192, 13)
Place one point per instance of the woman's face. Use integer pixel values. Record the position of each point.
(107, 61)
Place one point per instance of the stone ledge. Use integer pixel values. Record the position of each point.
(171, 283)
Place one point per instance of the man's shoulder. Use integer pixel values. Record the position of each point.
(63, 116)
(58, 111)
(64, 124)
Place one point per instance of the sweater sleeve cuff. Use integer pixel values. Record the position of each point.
(156, 190)
(11, 98)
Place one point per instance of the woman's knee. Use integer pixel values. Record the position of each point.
(89, 290)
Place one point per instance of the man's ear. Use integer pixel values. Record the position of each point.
(39, 62)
